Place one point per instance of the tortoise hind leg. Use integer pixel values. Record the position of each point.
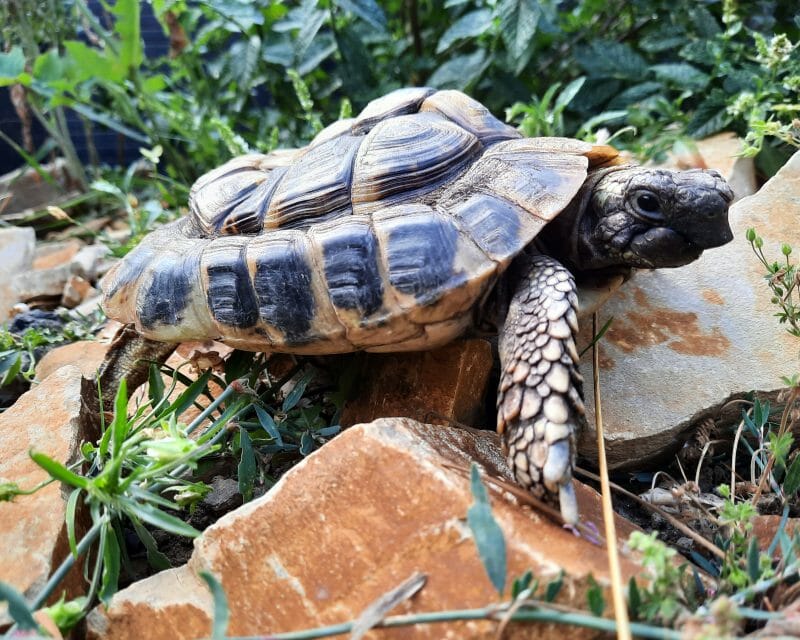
(540, 400)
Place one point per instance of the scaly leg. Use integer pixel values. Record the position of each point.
(540, 400)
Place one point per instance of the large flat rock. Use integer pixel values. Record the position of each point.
(685, 340)
(46, 419)
(351, 522)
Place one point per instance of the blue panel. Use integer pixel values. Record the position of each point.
(230, 296)
(421, 251)
(350, 252)
(283, 288)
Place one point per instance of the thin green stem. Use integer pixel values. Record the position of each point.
(66, 565)
(485, 613)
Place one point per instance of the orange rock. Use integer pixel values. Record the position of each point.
(87, 355)
(765, 528)
(32, 531)
(438, 386)
(351, 522)
(56, 254)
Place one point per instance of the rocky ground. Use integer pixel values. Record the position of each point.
(388, 497)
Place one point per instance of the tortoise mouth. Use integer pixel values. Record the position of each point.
(663, 247)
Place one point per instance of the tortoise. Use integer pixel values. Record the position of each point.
(395, 230)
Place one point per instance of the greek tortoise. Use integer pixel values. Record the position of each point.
(389, 231)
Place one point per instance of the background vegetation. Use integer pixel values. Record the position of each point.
(243, 75)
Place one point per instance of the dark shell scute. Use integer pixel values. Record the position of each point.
(396, 103)
(420, 251)
(229, 293)
(170, 290)
(283, 287)
(350, 256)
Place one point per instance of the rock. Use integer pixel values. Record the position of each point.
(56, 254)
(42, 285)
(445, 384)
(33, 535)
(76, 290)
(765, 528)
(36, 319)
(17, 245)
(720, 152)
(684, 341)
(86, 355)
(353, 520)
(28, 192)
(91, 261)
(224, 495)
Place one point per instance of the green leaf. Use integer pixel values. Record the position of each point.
(112, 123)
(521, 583)
(268, 424)
(155, 385)
(48, 67)
(188, 397)
(367, 10)
(119, 426)
(111, 563)
(469, 25)
(18, 607)
(791, 483)
(306, 443)
(568, 94)
(221, 611)
(247, 470)
(594, 597)
(487, 533)
(72, 505)
(158, 518)
(127, 28)
(519, 20)
(681, 74)
(156, 559)
(753, 561)
(297, 392)
(554, 587)
(13, 371)
(88, 63)
(609, 59)
(634, 599)
(12, 64)
(459, 72)
(59, 471)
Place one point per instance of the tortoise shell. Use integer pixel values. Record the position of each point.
(383, 234)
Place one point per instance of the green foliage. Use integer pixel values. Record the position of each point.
(20, 352)
(487, 533)
(664, 596)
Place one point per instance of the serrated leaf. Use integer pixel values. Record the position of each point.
(681, 74)
(519, 20)
(469, 25)
(609, 59)
(459, 72)
(308, 31)
(488, 535)
(222, 612)
(247, 470)
(18, 607)
(704, 22)
(367, 10)
(12, 64)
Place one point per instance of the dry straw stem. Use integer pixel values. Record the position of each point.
(617, 586)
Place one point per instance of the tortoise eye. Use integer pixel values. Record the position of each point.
(649, 207)
(648, 203)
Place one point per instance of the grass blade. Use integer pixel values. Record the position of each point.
(222, 613)
(487, 533)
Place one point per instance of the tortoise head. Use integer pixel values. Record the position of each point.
(646, 217)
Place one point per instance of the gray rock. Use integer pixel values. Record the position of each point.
(684, 341)
(17, 246)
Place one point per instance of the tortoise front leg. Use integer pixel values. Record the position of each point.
(540, 400)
